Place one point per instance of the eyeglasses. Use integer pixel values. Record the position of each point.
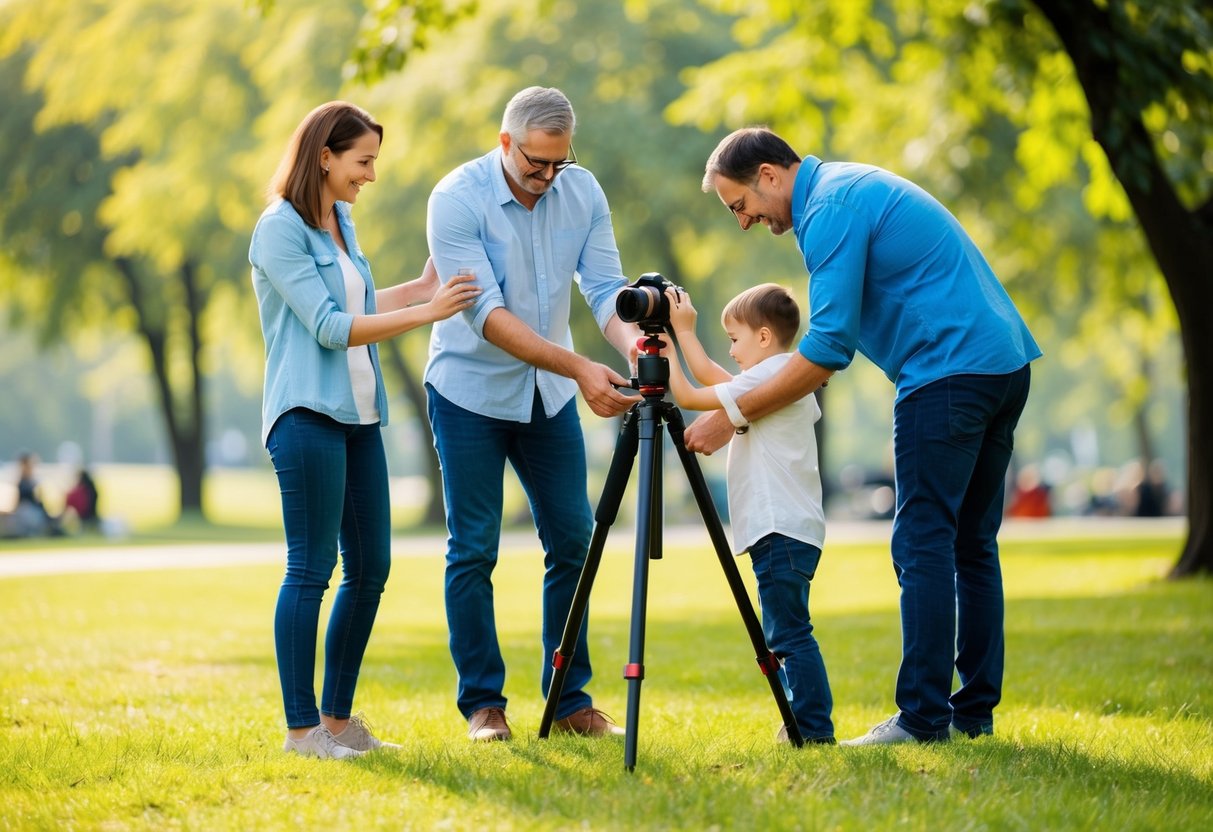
(540, 164)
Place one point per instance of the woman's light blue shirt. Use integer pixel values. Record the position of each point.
(893, 275)
(301, 298)
(525, 261)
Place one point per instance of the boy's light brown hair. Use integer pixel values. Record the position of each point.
(769, 305)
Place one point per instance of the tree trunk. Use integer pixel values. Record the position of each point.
(1181, 241)
(1141, 422)
(414, 391)
(191, 439)
(185, 441)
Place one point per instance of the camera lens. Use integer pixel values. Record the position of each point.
(638, 303)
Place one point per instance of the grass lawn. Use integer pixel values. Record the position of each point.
(149, 700)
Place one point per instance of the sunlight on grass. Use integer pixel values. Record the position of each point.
(150, 700)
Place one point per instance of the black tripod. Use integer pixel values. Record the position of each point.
(642, 428)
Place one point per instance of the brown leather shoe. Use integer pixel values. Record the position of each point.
(488, 724)
(589, 722)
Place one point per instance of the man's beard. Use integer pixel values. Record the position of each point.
(531, 183)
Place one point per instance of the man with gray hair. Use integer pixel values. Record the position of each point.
(502, 381)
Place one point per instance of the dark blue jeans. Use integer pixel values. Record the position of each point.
(784, 567)
(952, 442)
(334, 484)
(549, 458)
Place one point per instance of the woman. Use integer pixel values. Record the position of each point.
(323, 406)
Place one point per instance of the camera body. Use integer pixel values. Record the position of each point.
(644, 302)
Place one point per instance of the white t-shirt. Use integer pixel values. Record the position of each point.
(362, 374)
(774, 479)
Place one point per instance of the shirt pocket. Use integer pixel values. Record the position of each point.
(331, 275)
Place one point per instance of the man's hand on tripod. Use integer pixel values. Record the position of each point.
(595, 381)
(710, 432)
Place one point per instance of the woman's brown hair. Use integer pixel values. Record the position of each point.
(299, 178)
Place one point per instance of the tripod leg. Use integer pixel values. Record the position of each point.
(604, 517)
(767, 662)
(648, 522)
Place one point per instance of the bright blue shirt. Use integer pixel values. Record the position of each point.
(301, 297)
(524, 261)
(893, 275)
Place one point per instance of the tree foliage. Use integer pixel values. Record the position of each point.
(1049, 101)
(147, 129)
(159, 108)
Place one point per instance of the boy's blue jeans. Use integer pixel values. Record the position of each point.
(549, 458)
(952, 443)
(784, 567)
(334, 484)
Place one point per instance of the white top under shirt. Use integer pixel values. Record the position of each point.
(362, 374)
(774, 479)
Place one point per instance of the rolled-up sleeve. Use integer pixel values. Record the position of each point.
(453, 232)
(835, 242)
(279, 249)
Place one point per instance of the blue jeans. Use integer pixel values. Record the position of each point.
(784, 567)
(952, 442)
(334, 484)
(549, 458)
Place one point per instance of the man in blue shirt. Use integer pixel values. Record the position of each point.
(895, 277)
(502, 381)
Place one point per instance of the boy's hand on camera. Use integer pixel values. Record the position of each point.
(682, 312)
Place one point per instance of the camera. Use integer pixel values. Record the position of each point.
(644, 302)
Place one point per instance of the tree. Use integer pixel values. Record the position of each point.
(173, 159)
(1147, 75)
(1113, 98)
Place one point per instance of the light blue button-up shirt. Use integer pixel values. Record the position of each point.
(893, 275)
(301, 297)
(524, 261)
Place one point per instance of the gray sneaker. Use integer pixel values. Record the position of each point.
(320, 742)
(357, 735)
(886, 733)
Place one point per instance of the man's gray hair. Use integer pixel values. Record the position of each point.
(538, 108)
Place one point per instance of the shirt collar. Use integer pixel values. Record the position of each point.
(800, 190)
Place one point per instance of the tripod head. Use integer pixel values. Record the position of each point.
(652, 368)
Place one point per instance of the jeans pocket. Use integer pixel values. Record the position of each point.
(968, 413)
(803, 559)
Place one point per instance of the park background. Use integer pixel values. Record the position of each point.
(140, 137)
(1073, 140)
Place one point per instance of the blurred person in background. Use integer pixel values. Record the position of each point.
(31, 517)
(82, 499)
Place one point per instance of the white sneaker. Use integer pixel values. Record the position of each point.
(357, 735)
(320, 742)
(886, 733)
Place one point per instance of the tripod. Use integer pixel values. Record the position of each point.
(642, 429)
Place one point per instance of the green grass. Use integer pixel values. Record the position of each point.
(150, 701)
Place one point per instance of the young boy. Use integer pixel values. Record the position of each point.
(774, 483)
